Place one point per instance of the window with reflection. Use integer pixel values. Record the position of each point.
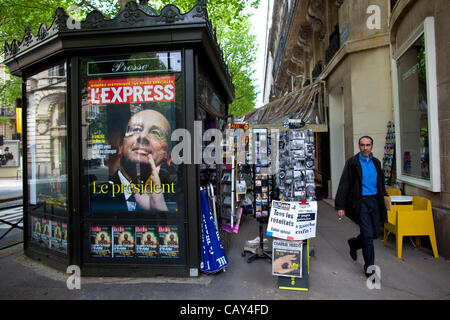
(416, 109)
(413, 98)
(47, 139)
(208, 97)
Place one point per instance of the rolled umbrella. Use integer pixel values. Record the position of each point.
(213, 255)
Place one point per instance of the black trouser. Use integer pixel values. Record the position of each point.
(369, 224)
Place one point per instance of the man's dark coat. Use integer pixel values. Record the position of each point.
(349, 193)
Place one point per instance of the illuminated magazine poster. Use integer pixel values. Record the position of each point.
(37, 230)
(101, 242)
(146, 242)
(46, 230)
(135, 119)
(123, 241)
(169, 244)
(56, 237)
(64, 237)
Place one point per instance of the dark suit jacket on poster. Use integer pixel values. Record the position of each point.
(105, 202)
(349, 193)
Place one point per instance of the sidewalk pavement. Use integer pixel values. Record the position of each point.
(333, 274)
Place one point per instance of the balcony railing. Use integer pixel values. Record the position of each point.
(335, 44)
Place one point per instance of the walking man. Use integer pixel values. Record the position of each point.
(360, 196)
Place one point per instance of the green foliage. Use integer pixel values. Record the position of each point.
(421, 61)
(16, 15)
(4, 120)
(10, 90)
(238, 45)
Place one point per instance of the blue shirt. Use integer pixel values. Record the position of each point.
(369, 176)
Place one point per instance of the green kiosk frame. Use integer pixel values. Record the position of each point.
(91, 93)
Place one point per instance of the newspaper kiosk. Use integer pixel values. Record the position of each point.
(102, 98)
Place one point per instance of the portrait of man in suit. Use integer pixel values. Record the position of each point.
(146, 177)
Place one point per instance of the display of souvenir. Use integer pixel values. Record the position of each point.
(296, 165)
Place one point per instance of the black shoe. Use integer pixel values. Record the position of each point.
(352, 249)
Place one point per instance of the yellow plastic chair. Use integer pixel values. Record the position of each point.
(394, 192)
(392, 214)
(411, 220)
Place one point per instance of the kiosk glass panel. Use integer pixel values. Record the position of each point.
(132, 199)
(46, 138)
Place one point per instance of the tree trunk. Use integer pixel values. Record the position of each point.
(123, 3)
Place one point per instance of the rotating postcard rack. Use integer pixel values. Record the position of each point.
(297, 184)
(261, 191)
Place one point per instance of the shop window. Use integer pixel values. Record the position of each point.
(416, 109)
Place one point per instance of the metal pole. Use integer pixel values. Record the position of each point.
(232, 190)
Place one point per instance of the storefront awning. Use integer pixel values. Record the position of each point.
(305, 104)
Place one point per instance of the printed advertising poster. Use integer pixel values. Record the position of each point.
(56, 237)
(64, 237)
(292, 220)
(9, 154)
(282, 220)
(169, 245)
(36, 230)
(305, 227)
(46, 230)
(287, 258)
(146, 242)
(131, 108)
(101, 242)
(123, 242)
(237, 140)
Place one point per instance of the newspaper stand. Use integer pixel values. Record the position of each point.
(71, 138)
(262, 191)
(298, 284)
(291, 280)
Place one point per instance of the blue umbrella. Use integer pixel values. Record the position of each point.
(213, 255)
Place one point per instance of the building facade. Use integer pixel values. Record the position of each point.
(10, 160)
(420, 54)
(381, 62)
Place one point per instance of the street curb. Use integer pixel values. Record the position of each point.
(59, 275)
